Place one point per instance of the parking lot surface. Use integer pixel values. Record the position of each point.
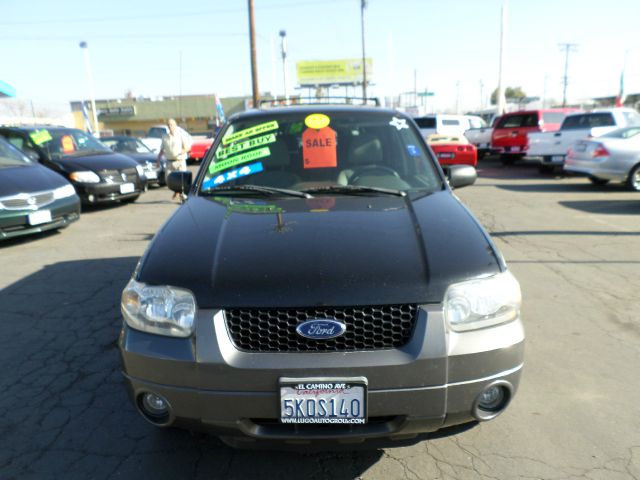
(574, 247)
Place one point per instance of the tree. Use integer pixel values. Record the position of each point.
(513, 94)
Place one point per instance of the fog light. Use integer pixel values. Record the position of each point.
(91, 198)
(491, 398)
(154, 405)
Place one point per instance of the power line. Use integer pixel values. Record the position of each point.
(173, 15)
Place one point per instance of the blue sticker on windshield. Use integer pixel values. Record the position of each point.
(233, 175)
(413, 150)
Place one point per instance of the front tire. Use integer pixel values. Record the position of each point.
(633, 181)
(598, 181)
(130, 200)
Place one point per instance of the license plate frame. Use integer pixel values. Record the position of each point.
(338, 394)
(557, 159)
(39, 217)
(127, 188)
(446, 155)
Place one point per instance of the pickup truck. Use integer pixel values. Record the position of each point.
(153, 140)
(550, 148)
(480, 136)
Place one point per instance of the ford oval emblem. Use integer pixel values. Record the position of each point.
(321, 329)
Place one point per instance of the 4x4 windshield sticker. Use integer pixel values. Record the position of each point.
(239, 159)
(40, 136)
(233, 175)
(399, 123)
(246, 145)
(250, 132)
(319, 148)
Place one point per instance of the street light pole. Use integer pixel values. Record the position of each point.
(87, 65)
(363, 5)
(283, 47)
(254, 65)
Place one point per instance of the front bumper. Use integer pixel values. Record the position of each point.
(94, 193)
(15, 223)
(429, 384)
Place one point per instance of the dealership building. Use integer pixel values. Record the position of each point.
(134, 116)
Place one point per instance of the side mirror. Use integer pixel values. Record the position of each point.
(179, 182)
(462, 176)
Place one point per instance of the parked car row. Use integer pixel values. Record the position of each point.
(47, 172)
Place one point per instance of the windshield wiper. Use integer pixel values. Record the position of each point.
(356, 190)
(230, 189)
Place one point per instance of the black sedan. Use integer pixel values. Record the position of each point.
(98, 174)
(32, 198)
(134, 148)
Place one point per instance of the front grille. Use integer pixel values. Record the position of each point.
(119, 176)
(367, 328)
(29, 202)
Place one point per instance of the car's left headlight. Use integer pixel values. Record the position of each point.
(162, 310)
(140, 170)
(64, 192)
(482, 302)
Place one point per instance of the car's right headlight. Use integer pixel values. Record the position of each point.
(483, 302)
(162, 310)
(85, 177)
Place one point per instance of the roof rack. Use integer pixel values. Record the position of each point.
(281, 102)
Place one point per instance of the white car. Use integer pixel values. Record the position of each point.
(153, 140)
(481, 136)
(614, 156)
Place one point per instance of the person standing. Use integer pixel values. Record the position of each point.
(175, 147)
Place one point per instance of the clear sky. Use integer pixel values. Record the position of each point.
(159, 47)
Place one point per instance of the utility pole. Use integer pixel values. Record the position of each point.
(283, 47)
(254, 65)
(568, 47)
(500, 101)
(363, 5)
(481, 94)
(458, 97)
(87, 64)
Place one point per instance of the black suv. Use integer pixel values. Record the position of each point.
(98, 174)
(321, 283)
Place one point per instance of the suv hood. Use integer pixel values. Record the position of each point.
(325, 251)
(96, 162)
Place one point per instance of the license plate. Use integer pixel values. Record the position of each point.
(446, 155)
(127, 188)
(483, 145)
(557, 158)
(152, 175)
(514, 149)
(323, 401)
(39, 217)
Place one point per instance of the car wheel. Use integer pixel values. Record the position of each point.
(507, 159)
(598, 181)
(546, 168)
(633, 182)
(130, 200)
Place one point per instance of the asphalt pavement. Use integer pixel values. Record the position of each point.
(574, 247)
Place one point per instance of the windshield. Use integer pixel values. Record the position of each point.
(126, 145)
(62, 142)
(11, 156)
(302, 151)
(624, 133)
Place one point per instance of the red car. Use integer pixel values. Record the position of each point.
(453, 150)
(509, 137)
(200, 146)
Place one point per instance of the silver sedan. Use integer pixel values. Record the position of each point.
(614, 156)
